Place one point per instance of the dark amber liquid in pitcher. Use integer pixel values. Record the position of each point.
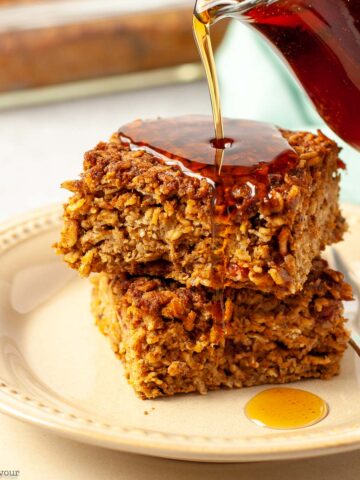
(320, 39)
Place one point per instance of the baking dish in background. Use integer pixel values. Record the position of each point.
(44, 43)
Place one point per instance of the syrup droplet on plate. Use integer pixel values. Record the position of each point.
(286, 408)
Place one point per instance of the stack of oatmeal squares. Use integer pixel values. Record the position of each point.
(144, 228)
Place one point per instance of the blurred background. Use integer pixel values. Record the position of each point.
(72, 72)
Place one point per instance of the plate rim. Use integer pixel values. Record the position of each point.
(147, 441)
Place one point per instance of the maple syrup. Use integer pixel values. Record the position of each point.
(203, 41)
(286, 408)
(260, 152)
(320, 40)
(254, 155)
(240, 163)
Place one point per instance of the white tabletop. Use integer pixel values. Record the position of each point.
(40, 455)
(40, 147)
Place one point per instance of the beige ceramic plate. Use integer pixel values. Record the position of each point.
(58, 372)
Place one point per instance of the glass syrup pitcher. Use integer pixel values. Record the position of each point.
(319, 39)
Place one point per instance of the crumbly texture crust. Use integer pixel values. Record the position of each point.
(169, 342)
(132, 213)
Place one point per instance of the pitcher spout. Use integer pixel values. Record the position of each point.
(211, 11)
